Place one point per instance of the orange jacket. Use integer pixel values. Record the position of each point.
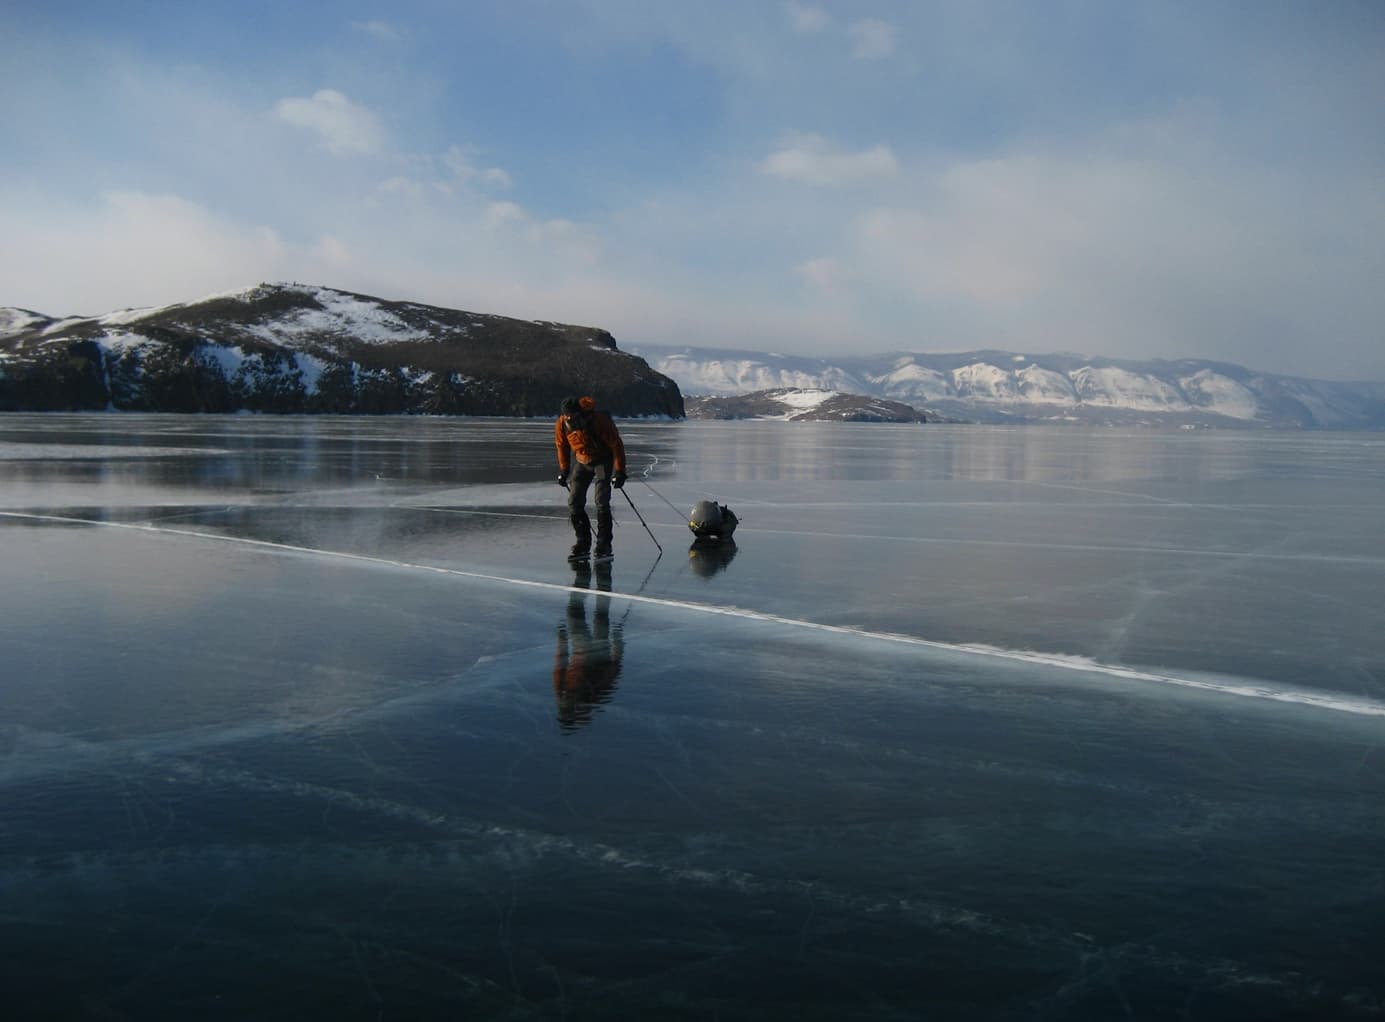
(591, 444)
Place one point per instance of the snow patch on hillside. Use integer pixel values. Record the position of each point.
(797, 402)
(982, 381)
(979, 381)
(121, 341)
(342, 316)
(805, 400)
(123, 317)
(312, 368)
(249, 294)
(1041, 386)
(740, 376)
(1120, 388)
(909, 380)
(17, 321)
(228, 358)
(1221, 394)
(63, 324)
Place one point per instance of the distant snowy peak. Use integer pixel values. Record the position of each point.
(792, 404)
(17, 321)
(1112, 387)
(1021, 382)
(907, 380)
(985, 382)
(1208, 389)
(749, 374)
(1006, 386)
(1044, 386)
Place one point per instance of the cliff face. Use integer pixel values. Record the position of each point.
(292, 349)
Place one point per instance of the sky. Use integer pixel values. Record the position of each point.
(1138, 179)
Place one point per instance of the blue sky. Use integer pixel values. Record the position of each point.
(1144, 180)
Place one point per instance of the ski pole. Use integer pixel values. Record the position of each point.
(662, 497)
(641, 518)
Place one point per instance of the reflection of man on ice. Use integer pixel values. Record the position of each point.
(587, 660)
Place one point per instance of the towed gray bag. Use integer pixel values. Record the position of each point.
(712, 521)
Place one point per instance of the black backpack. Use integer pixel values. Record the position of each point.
(710, 520)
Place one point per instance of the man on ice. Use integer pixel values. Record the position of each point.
(589, 451)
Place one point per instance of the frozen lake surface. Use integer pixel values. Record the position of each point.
(310, 718)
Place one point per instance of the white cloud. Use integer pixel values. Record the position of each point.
(804, 18)
(457, 177)
(500, 213)
(343, 127)
(332, 252)
(824, 274)
(403, 186)
(457, 161)
(527, 239)
(811, 159)
(133, 249)
(497, 177)
(872, 39)
(1126, 253)
(378, 29)
(138, 249)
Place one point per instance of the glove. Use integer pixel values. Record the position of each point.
(618, 480)
(562, 480)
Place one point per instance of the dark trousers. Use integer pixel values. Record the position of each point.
(583, 477)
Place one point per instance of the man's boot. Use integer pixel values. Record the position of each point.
(603, 535)
(582, 547)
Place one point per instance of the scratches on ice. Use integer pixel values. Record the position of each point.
(1247, 688)
(464, 856)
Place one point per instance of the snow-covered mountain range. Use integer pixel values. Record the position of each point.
(1003, 386)
(301, 348)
